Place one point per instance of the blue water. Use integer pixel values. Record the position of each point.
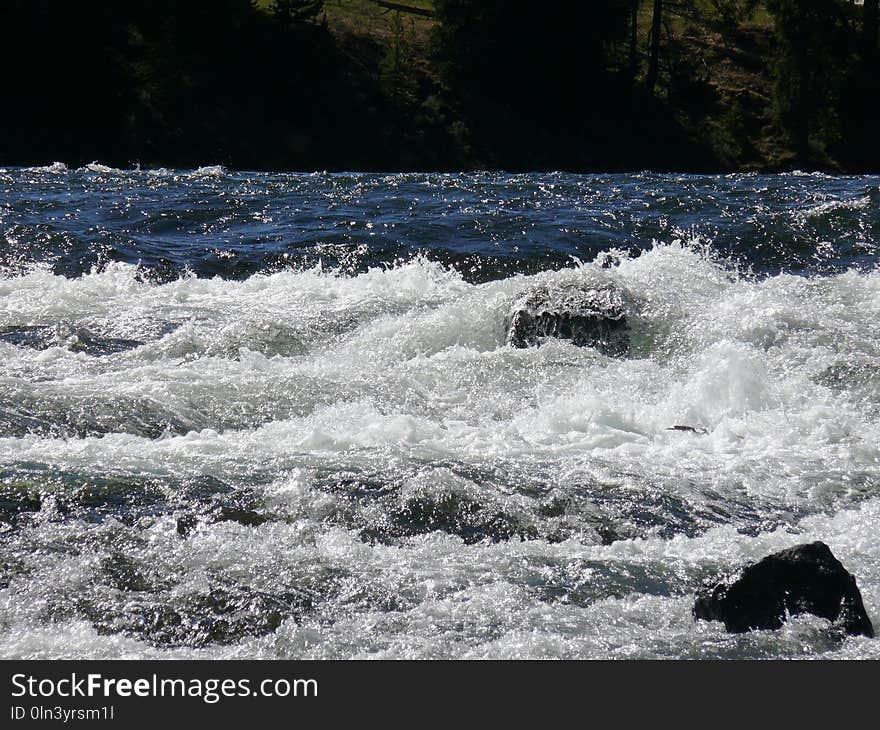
(279, 416)
(215, 222)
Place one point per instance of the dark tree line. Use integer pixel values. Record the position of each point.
(826, 73)
(508, 83)
(155, 81)
(538, 85)
(165, 82)
(585, 66)
(522, 56)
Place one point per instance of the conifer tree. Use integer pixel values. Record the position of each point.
(870, 21)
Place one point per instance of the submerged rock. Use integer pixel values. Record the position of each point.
(224, 614)
(588, 317)
(689, 429)
(75, 339)
(188, 521)
(803, 579)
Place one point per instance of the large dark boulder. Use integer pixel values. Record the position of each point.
(589, 317)
(803, 579)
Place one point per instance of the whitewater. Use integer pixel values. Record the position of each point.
(275, 415)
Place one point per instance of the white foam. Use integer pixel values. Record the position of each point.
(297, 372)
(100, 168)
(209, 171)
(832, 205)
(384, 351)
(56, 168)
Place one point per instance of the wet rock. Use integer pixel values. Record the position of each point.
(588, 317)
(17, 422)
(9, 568)
(632, 513)
(241, 515)
(17, 501)
(186, 523)
(223, 615)
(689, 429)
(238, 506)
(456, 514)
(120, 572)
(76, 339)
(803, 579)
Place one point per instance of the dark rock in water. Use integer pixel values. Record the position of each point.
(223, 615)
(122, 573)
(588, 317)
(232, 512)
(459, 515)
(803, 579)
(241, 515)
(73, 338)
(186, 523)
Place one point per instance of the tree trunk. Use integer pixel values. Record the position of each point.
(634, 38)
(870, 19)
(654, 59)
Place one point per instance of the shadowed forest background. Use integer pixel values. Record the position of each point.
(690, 85)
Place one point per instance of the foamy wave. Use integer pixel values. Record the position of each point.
(210, 171)
(413, 360)
(831, 206)
(99, 168)
(56, 168)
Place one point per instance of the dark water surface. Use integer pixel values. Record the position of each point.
(214, 222)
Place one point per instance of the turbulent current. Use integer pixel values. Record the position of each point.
(253, 415)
